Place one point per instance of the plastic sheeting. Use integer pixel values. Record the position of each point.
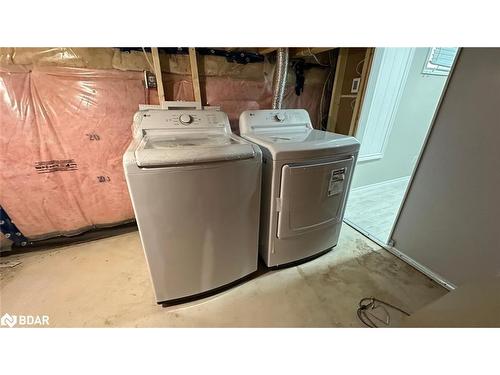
(63, 132)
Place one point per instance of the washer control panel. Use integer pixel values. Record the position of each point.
(179, 119)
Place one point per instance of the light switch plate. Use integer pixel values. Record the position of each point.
(355, 85)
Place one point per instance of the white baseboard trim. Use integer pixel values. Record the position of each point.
(382, 183)
(426, 271)
(419, 267)
(370, 157)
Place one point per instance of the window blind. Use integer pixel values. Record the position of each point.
(440, 60)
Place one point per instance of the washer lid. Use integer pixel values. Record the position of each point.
(289, 143)
(168, 148)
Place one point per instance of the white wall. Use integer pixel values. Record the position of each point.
(413, 116)
(450, 221)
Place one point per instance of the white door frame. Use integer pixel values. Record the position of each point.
(391, 246)
(385, 88)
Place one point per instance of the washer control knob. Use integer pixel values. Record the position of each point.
(185, 119)
(280, 117)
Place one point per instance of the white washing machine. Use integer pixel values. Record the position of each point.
(195, 189)
(306, 175)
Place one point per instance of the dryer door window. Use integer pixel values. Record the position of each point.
(312, 196)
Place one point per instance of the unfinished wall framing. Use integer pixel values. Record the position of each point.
(65, 123)
(351, 77)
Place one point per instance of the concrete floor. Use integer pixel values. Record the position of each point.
(105, 283)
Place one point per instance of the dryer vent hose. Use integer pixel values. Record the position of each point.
(279, 79)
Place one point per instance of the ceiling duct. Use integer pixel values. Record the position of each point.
(279, 79)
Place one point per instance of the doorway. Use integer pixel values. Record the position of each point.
(402, 95)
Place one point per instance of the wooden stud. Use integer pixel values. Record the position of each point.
(337, 89)
(365, 73)
(157, 68)
(194, 75)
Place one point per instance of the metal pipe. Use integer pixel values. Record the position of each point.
(279, 78)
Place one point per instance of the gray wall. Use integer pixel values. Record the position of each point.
(450, 222)
(411, 123)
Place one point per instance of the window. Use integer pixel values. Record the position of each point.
(439, 61)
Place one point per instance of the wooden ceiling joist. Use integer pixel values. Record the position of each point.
(304, 52)
(296, 52)
(267, 50)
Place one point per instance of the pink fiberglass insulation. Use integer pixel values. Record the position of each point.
(63, 132)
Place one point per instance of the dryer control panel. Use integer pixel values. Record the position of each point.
(253, 121)
(162, 119)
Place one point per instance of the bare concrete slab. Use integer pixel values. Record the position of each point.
(105, 283)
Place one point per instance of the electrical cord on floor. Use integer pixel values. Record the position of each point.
(371, 303)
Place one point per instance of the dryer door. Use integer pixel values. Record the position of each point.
(312, 196)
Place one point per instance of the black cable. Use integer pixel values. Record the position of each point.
(361, 317)
(364, 307)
